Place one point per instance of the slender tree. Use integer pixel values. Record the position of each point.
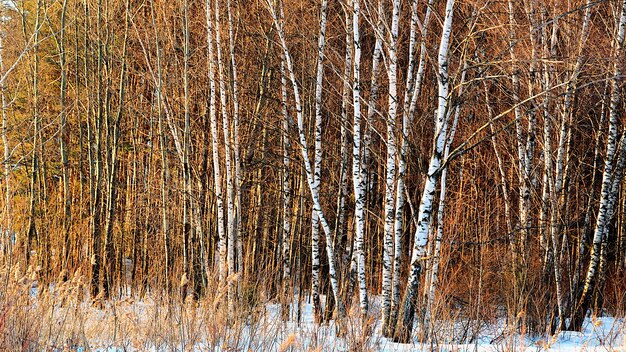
(403, 331)
(358, 177)
(307, 164)
(8, 225)
(612, 174)
(390, 180)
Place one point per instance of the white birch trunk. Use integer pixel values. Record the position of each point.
(230, 189)
(287, 209)
(217, 175)
(557, 193)
(364, 137)
(317, 161)
(390, 179)
(235, 134)
(554, 183)
(413, 90)
(610, 175)
(307, 164)
(523, 177)
(434, 174)
(583, 237)
(358, 178)
(430, 293)
(544, 238)
(567, 112)
(7, 230)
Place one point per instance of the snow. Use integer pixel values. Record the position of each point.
(145, 325)
(599, 334)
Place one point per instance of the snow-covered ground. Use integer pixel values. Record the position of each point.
(145, 325)
(599, 334)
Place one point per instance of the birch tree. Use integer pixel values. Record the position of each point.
(235, 137)
(522, 162)
(307, 164)
(185, 157)
(8, 225)
(217, 176)
(390, 180)
(556, 178)
(287, 197)
(358, 178)
(364, 138)
(612, 174)
(64, 137)
(403, 331)
(436, 255)
(230, 187)
(317, 163)
(553, 186)
(344, 170)
(412, 91)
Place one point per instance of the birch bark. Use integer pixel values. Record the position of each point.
(235, 142)
(317, 162)
(217, 175)
(307, 163)
(434, 280)
(287, 202)
(390, 180)
(357, 168)
(611, 175)
(346, 98)
(403, 331)
(412, 91)
(7, 158)
(230, 189)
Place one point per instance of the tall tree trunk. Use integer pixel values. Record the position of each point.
(436, 254)
(287, 198)
(7, 231)
(390, 179)
(523, 164)
(552, 179)
(32, 227)
(217, 175)
(341, 235)
(358, 178)
(167, 251)
(63, 140)
(95, 158)
(317, 164)
(230, 187)
(413, 89)
(236, 142)
(612, 175)
(113, 123)
(403, 331)
(332, 267)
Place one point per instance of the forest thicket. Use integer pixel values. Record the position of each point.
(438, 155)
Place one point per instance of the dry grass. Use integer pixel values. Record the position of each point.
(61, 317)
